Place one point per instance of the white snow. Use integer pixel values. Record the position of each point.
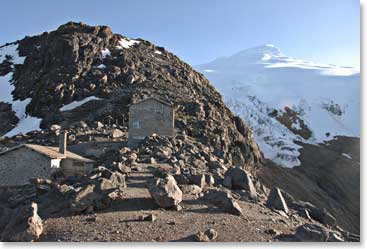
(101, 66)
(157, 52)
(258, 80)
(126, 43)
(26, 123)
(347, 155)
(296, 125)
(105, 52)
(76, 104)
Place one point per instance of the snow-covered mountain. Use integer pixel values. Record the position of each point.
(286, 100)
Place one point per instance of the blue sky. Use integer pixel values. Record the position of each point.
(324, 31)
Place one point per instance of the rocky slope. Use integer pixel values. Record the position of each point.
(77, 61)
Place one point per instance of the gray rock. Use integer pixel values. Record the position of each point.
(311, 233)
(116, 133)
(165, 191)
(236, 178)
(223, 199)
(276, 200)
(190, 189)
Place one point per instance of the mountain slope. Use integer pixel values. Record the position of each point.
(84, 73)
(285, 100)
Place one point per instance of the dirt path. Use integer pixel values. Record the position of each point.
(121, 221)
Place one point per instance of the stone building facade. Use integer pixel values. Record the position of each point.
(21, 163)
(150, 116)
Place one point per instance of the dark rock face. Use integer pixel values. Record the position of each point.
(326, 179)
(8, 119)
(67, 65)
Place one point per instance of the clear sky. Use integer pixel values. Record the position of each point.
(324, 31)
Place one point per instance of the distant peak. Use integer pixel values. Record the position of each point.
(269, 45)
(259, 52)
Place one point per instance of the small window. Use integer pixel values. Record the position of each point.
(136, 124)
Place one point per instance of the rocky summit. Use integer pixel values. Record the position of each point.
(78, 61)
(207, 182)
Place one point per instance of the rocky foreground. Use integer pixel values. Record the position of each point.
(153, 193)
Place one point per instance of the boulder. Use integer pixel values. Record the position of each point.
(236, 178)
(90, 198)
(25, 225)
(116, 133)
(276, 201)
(165, 191)
(223, 199)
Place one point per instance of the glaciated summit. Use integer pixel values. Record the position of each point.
(285, 99)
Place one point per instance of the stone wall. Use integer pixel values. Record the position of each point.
(71, 167)
(148, 117)
(18, 166)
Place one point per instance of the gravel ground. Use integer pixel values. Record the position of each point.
(121, 221)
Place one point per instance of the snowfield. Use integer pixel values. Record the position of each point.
(26, 123)
(256, 81)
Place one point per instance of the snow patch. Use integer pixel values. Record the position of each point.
(105, 52)
(296, 125)
(101, 66)
(126, 43)
(26, 123)
(76, 104)
(157, 52)
(347, 156)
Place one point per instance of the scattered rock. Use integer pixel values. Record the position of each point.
(312, 233)
(91, 219)
(150, 217)
(207, 236)
(165, 191)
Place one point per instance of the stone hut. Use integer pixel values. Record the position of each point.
(149, 116)
(21, 163)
